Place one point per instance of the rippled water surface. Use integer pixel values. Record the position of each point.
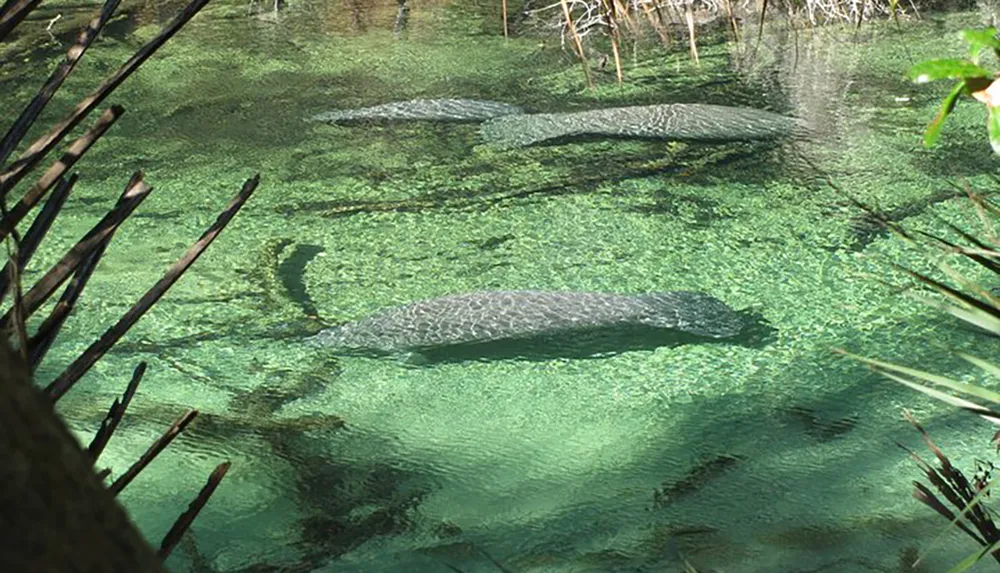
(741, 456)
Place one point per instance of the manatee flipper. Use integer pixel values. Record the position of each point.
(412, 358)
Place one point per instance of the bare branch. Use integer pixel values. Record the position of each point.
(135, 193)
(180, 527)
(12, 12)
(37, 151)
(17, 131)
(58, 169)
(39, 227)
(110, 422)
(58, 387)
(38, 345)
(154, 450)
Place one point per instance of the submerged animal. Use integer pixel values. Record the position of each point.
(669, 121)
(423, 109)
(508, 126)
(475, 319)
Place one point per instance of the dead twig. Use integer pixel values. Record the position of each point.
(114, 417)
(17, 131)
(17, 312)
(88, 526)
(154, 450)
(58, 387)
(39, 227)
(58, 169)
(41, 147)
(12, 12)
(134, 194)
(611, 23)
(41, 341)
(578, 43)
(173, 537)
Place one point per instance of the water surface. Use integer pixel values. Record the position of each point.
(772, 456)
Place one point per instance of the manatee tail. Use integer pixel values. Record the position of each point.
(513, 131)
(693, 312)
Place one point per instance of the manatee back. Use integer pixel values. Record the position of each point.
(667, 121)
(458, 110)
(498, 315)
(483, 316)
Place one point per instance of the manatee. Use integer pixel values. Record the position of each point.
(458, 110)
(672, 121)
(494, 322)
(508, 126)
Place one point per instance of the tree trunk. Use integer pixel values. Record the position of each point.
(55, 515)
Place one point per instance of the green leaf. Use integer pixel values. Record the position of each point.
(993, 127)
(989, 367)
(940, 396)
(979, 39)
(947, 105)
(961, 310)
(930, 70)
(975, 317)
(954, 385)
(971, 560)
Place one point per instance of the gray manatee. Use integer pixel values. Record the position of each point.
(508, 126)
(470, 110)
(487, 317)
(679, 121)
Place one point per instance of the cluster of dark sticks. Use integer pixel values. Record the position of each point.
(56, 513)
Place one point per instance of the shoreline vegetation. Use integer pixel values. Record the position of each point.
(600, 34)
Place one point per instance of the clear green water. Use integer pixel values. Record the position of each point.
(772, 457)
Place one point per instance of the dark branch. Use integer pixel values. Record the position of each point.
(110, 422)
(173, 537)
(153, 451)
(41, 147)
(17, 131)
(81, 365)
(134, 194)
(39, 227)
(76, 150)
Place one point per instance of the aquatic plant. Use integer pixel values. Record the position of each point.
(58, 514)
(962, 296)
(975, 304)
